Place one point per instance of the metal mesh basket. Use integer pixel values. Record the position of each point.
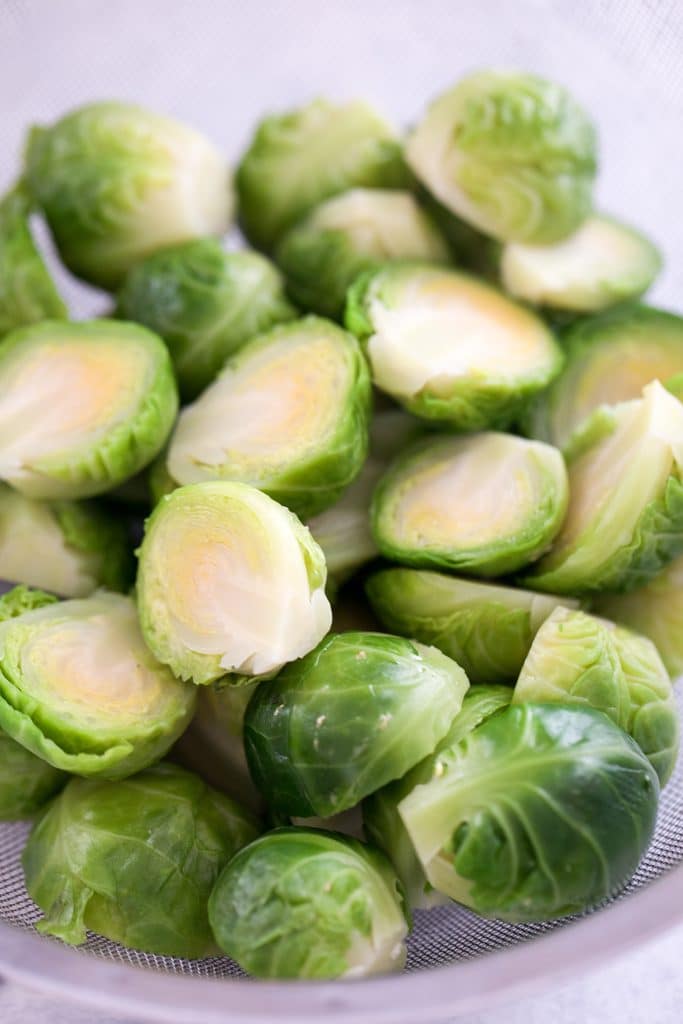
(220, 65)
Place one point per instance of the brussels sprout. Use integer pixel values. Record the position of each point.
(229, 581)
(625, 515)
(134, 861)
(541, 811)
(205, 303)
(79, 688)
(355, 713)
(67, 547)
(83, 406)
(288, 415)
(301, 903)
(609, 359)
(449, 347)
(26, 781)
(27, 292)
(484, 504)
(510, 153)
(297, 159)
(487, 628)
(381, 818)
(602, 263)
(117, 183)
(350, 234)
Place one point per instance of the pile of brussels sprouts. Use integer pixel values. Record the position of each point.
(434, 384)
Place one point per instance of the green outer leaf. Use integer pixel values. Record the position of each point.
(90, 529)
(22, 599)
(304, 903)
(358, 711)
(134, 861)
(26, 781)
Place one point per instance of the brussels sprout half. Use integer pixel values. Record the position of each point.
(350, 234)
(134, 861)
(541, 811)
(449, 347)
(288, 415)
(625, 516)
(297, 159)
(83, 406)
(303, 903)
(205, 303)
(510, 153)
(118, 182)
(609, 359)
(355, 713)
(484, 504)
(486, 627)
(601, 264)
(229, 582)
(79, 688)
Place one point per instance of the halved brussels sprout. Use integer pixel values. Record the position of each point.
(118, 182)
(602, 263)
(79, 688)
(297, 159)
(288, 415)
(26, 781)
(350, 234)
(205, 302)
(510, 153)
(381, 818)
(577, 658)
(448, 346)
(302, 903)
(134, 861)
(27, 292)
(68, 547)
(484, 504)
(625, 515)
(229, 581)
(355, 713)
(486, 627)
(83, 406)
(609, 359)
(541, 811)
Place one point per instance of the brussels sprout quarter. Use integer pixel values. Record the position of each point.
(298, 159)
(301, 903)
(541, 811)
(134, 861)
(79, 688)
(484, 504)
(355, 713)
(117, 182)
(83, 406)
(26, 781)
(205, 303)
(510, 153)
(288, 415)
(450, 347)
(229, 581)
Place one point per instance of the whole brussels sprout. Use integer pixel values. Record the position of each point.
(358, 711)
(302, 903)
(79, 688)
(450, 347)
(27, 292)
(229, 582)
(205, 302)
(135, 860)
(512, 154)
(288, 414)
(117, 182)
(541, 811)
(56, 445)
(484, 504)
(296, 160)
(349, 234)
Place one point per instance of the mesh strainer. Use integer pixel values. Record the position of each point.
(220, 64)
